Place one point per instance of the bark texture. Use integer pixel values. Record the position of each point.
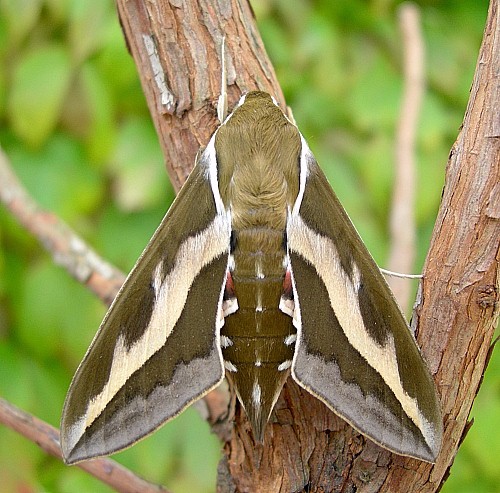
(307, 448)
(185, 37)
(460, 289)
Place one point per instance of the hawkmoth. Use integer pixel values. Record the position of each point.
(257, 273)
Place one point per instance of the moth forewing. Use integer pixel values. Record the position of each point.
(354, 350)
(138, 371)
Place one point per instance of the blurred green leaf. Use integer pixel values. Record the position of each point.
(20, 16)
(57, 10)
(100, 131)
(378, 88)
(68, 313)
(123, 238)
(140, 179)
(92, 16)
(203, 458)
(40, 83)
(476, 466)
(73, 480)
(21, 388)
(59, 177)
(3, 86)
(120, 73)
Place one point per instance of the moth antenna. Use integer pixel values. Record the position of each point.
(289, 114)
(222, 102)
(397, 274)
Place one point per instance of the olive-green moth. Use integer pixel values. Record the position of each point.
(255, 273)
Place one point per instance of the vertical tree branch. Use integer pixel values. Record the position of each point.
(402, 220)
(460, 288)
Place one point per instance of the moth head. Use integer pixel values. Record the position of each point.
(258, 106)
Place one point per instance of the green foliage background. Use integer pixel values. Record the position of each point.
(74, 123)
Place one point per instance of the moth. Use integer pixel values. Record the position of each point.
(255, 273)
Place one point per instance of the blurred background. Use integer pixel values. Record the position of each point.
(75, 126)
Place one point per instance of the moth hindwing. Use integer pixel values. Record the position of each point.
(256, 272)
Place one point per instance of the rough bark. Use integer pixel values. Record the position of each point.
(187, 37)
(460, 289)
(307, 447)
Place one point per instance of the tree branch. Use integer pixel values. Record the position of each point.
(402, 220)
(66, 247)
(460, 288)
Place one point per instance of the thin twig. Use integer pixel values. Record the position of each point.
(47, 438)
(390, 273)
(402, 221)
(65, 246)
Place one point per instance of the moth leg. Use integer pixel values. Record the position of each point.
(229, 301)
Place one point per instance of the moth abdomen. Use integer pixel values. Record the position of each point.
(258, 183)
(257, 360)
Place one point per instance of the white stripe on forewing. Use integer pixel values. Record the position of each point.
(195, 253)
(305, 155)
(209, 161)
(342, 290)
